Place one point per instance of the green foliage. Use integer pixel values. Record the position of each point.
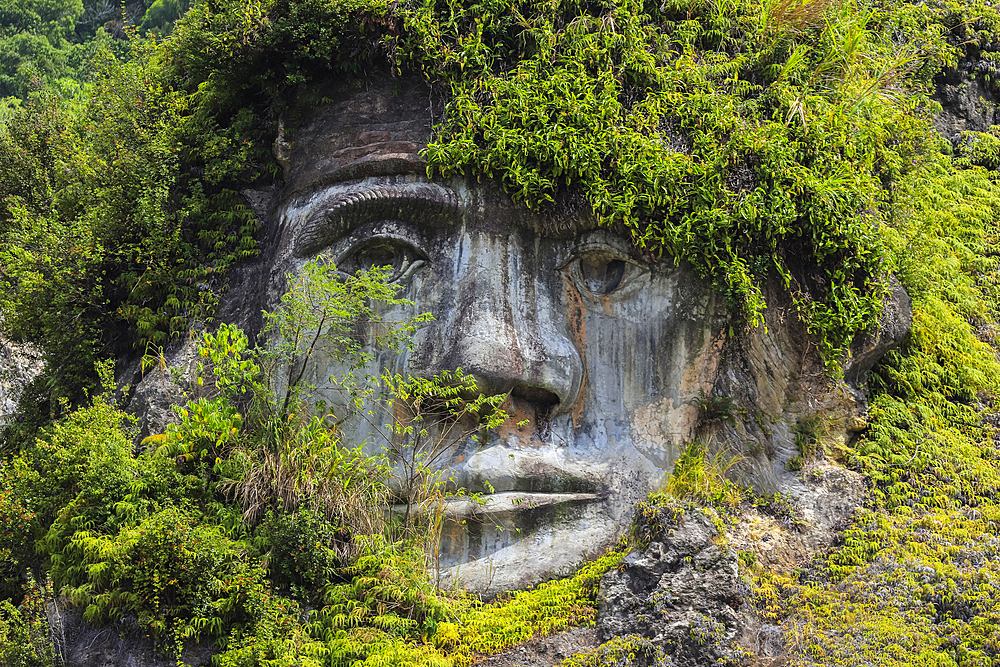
(112, 228)
(656, 515)
(548, 608)
(180, 578)
(712, 409)
(16, 524)
(145, 537)
(161, 15)
(429, 416)
(25, 631)
(291, 453)
(911, 582)
(951, 31)
(307, 551)
(629, 650)
(700, 477)
(155, 537)
(34, 48)
(978, 149)
(388, 614)
(753, 139)
(340, 315)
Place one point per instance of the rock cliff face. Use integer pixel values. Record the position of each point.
(967, 101)
(611, 361)
(681, 594)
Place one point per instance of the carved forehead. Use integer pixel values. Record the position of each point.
(377, 129)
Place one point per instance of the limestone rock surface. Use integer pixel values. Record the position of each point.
(161, 386)
(123, 644)
(18, 366)
(680, 593)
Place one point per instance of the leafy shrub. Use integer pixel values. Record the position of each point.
(701, 477)
(26, 634)
(179, 578)
(113, 243)
(17, 522)
(306, 550)
(980, 149)
(629, 650)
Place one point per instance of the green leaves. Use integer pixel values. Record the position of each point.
(110, 235)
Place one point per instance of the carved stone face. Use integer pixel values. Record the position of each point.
(600, 351)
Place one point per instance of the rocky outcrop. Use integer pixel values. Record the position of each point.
(894, 325)
(782, 414)
(160, 384)
(545, 651)
(123, 644)
(18, 366)
(967, 100)
(680, 593)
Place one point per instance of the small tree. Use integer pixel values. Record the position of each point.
(287, 450)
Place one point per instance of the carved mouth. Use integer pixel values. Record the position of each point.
(553, 483)
(507, 502)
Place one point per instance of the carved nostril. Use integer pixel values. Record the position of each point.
(544, 400)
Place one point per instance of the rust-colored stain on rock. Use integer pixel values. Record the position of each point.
(576, 318)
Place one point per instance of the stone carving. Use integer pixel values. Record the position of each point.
(603, 353)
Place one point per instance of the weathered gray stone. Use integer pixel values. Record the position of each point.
(681, 593)
(19, 365)
(161, 386)
(600, 351)
(894, 325)
(122, 644)
(967, 101)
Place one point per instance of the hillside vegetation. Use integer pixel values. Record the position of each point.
(752, 139)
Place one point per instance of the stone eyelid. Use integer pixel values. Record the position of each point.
(338, 213)
(585, 248)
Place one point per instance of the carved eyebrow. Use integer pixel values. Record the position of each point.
(341, 210)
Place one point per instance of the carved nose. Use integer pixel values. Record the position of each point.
(505, 353)
(503, 329)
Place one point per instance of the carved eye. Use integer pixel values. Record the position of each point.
(601, 272)
(401, 258)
